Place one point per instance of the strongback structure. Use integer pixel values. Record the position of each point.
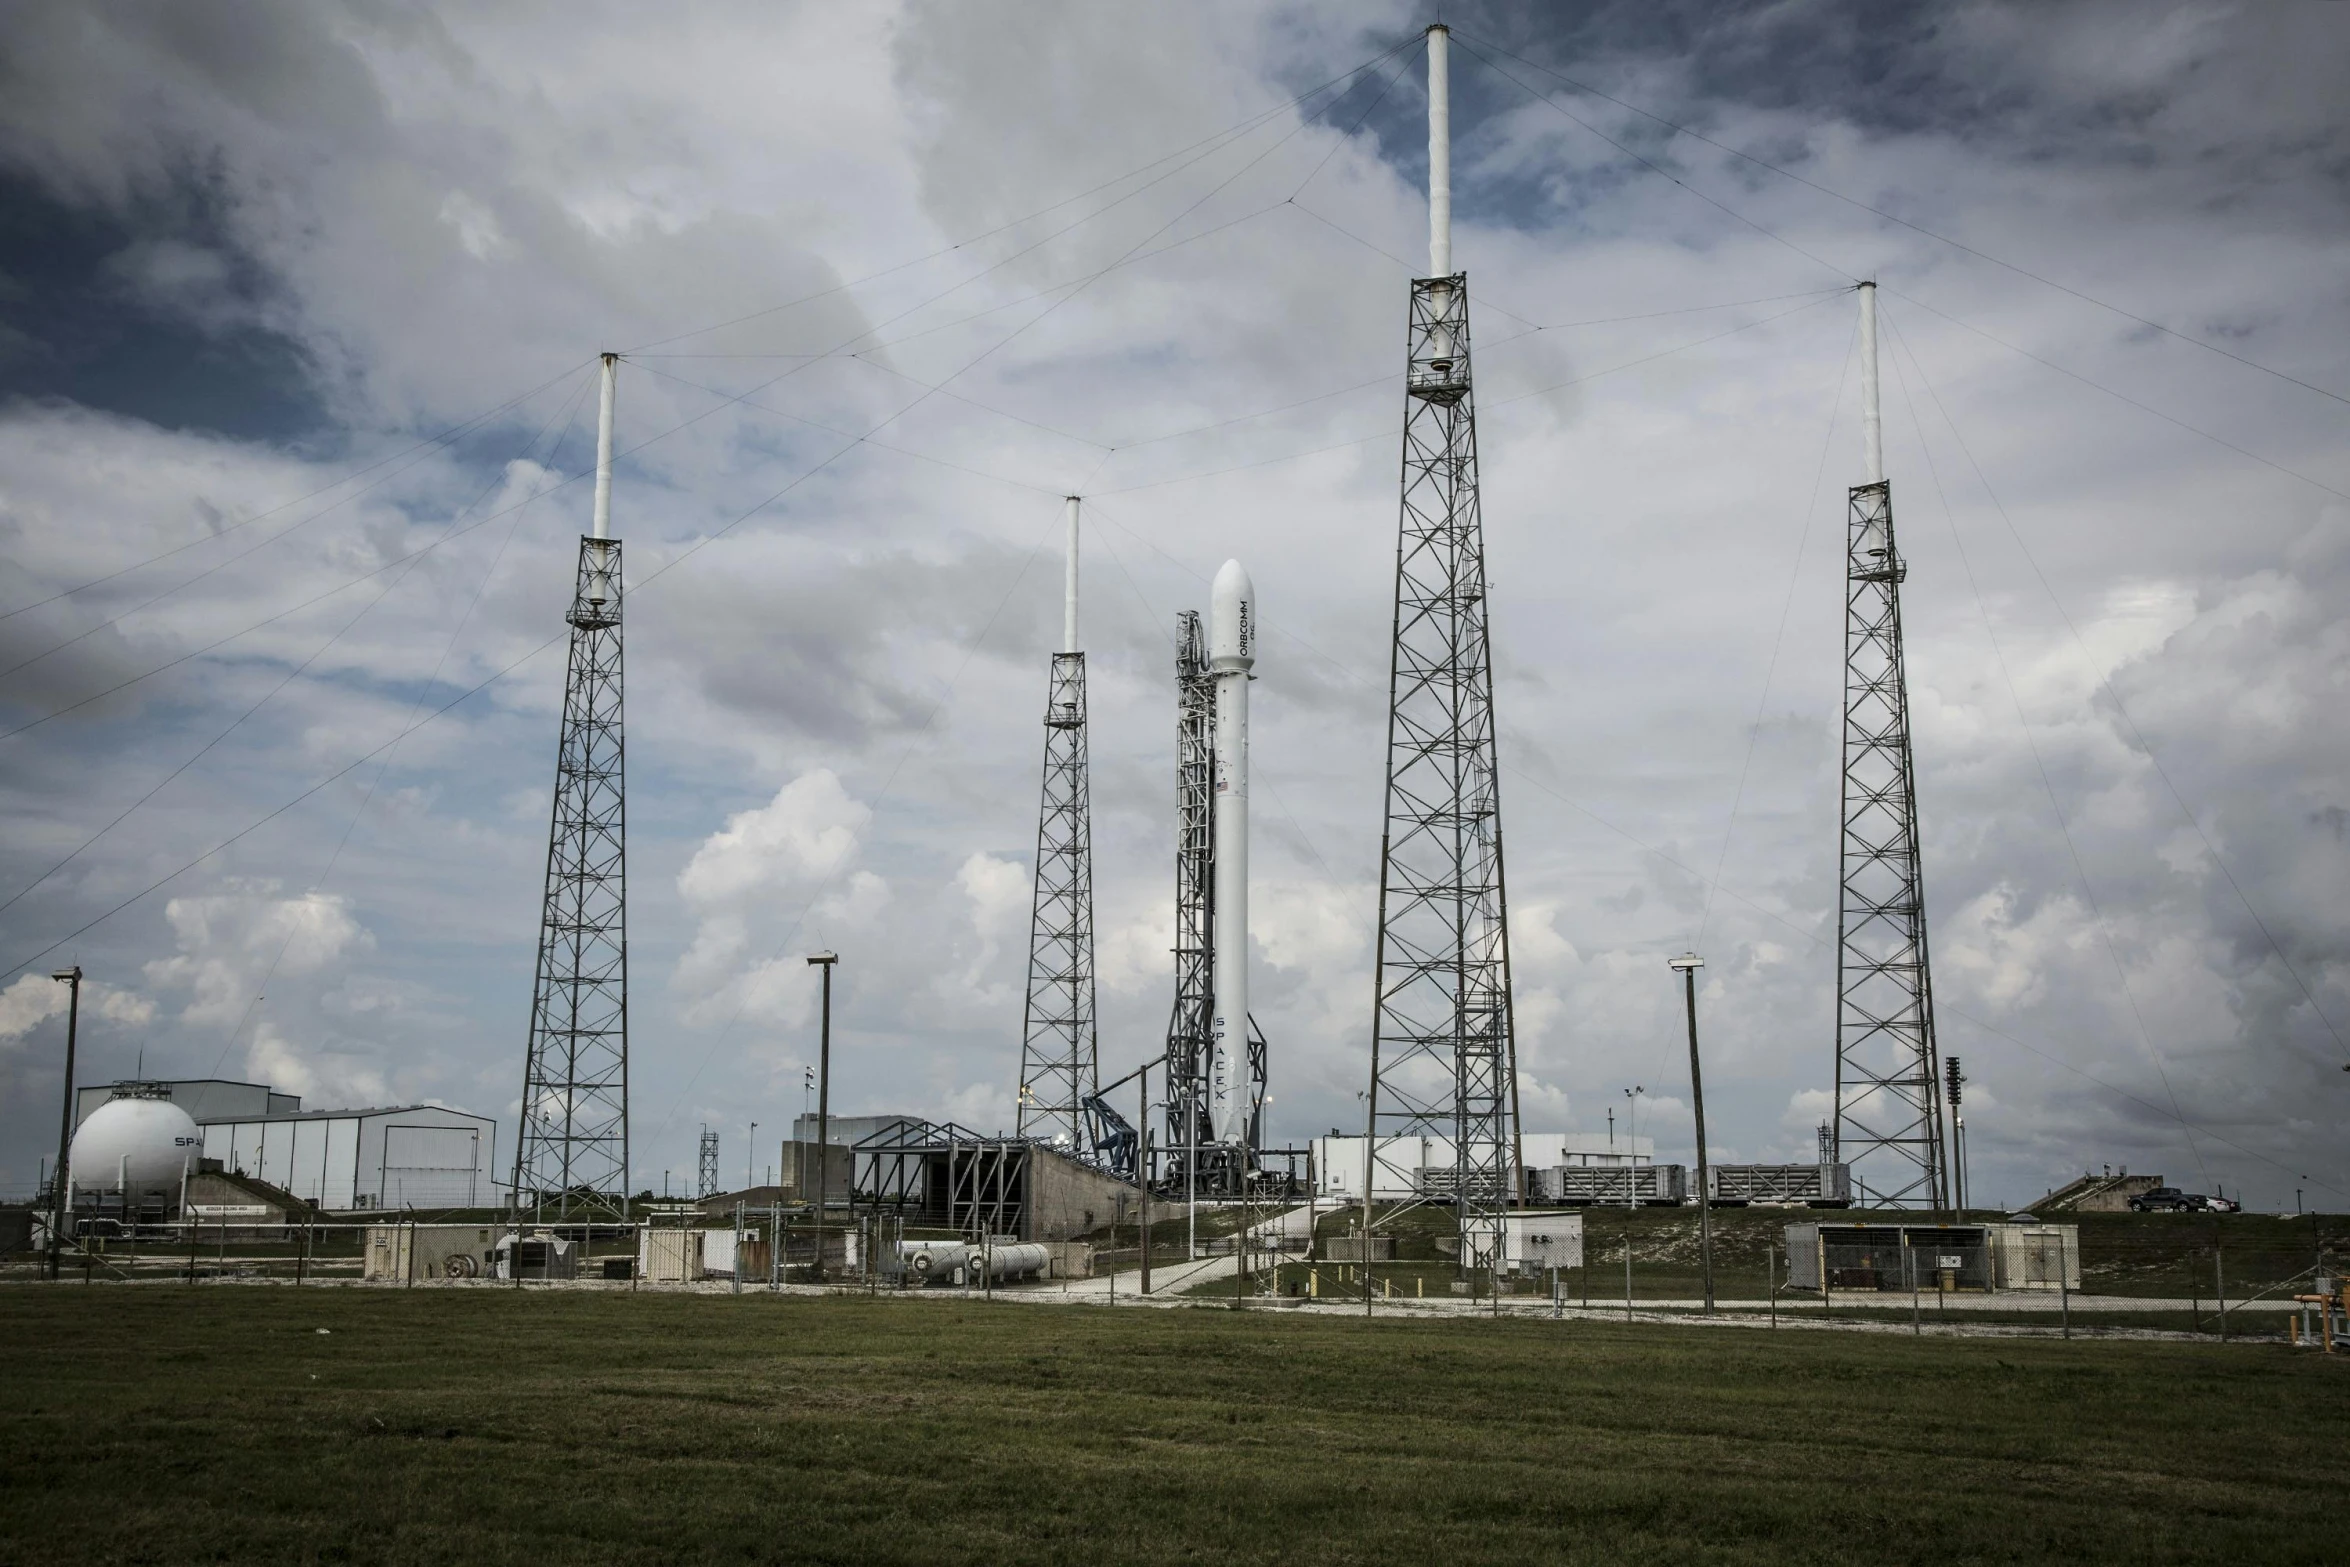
(1194, 1159)
(1059, 1067)
(572, 1154)
(1888, 1086)
(1443, 1063)
(1195, 879)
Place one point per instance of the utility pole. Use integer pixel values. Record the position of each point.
(60, 1185)
(1953, 1086)
(824, 961)
(1689, 963)
(1632, 1144)
(1142, 1168)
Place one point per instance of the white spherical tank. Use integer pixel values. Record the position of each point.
(157, 1138)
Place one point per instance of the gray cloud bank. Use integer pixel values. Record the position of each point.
(260, 249)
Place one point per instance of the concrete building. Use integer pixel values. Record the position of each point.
(239, 1206)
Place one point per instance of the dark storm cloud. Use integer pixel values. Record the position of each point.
(147, 311)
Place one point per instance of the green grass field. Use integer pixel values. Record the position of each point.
(154, 1424)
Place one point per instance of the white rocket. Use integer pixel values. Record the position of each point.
(1232, 646)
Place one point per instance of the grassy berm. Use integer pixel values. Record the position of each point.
(154, 1424)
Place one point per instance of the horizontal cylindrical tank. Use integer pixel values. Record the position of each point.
(149, 1142)
(927, 1260)
(1016, 1261)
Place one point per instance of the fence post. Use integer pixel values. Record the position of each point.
(1916, 1327)
(2219, 1280)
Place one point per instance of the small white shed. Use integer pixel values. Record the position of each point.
(1539, 1242)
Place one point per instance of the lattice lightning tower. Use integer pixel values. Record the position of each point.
(706, 1167)
(1888, 1085)
(1059, 1068)
(572, 1153)
(1443, 1061)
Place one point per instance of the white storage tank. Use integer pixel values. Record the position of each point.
(1004, 1262)
(151, 1143)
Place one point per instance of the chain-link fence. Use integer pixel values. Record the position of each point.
(1891, 1266)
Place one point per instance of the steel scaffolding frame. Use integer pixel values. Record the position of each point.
(943, 1174)
(1443, 1048)
(1059, 1050)
(1195, 859)
(706, 1171)
(1888, 1082)
(573, 1149)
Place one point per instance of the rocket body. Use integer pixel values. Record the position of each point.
(1232, 639)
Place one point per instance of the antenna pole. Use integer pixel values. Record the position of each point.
(1872, 424)
(1069, 610)
(1439, 151)
(603, 525)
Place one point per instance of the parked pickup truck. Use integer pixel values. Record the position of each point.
(2169, 1199)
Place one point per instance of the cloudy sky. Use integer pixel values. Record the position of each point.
(299, 305)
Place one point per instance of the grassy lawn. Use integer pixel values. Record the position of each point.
(219, 1424)
(2158, 1254)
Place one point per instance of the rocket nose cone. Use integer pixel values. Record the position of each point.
(1232, 618)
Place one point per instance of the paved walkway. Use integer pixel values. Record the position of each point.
(1168, 1281)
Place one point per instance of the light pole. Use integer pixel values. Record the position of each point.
(824, 961)
(1954, 1083)
(751, 1157)
(1689, 963)
(1142, 1174)
(1632, 1145)
(1141, 1078)
(60, 1187)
